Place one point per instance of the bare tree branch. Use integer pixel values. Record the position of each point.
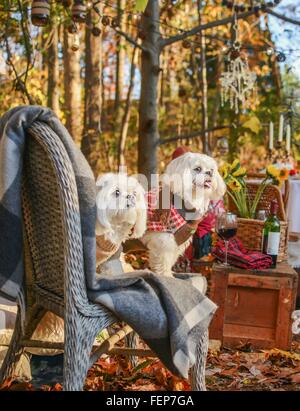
(173, 39)
(131, 40)
(19, 83)
(26, 37)
(191, 135)
(282, 17)
(20, 79)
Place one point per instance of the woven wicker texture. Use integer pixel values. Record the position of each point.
(54, 271)
(250, 231)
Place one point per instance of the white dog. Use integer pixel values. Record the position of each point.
(194, 179)
(121, 213)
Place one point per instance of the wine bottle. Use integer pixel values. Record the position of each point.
(272, 234)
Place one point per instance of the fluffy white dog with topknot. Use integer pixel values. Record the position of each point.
(121, 213)
(190, 187)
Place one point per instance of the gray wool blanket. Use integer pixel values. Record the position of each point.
(170, 314)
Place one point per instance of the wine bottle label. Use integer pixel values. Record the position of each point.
(273, 243)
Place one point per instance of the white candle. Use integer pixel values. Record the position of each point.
(280, 128)
(288, 138)
(271, 136)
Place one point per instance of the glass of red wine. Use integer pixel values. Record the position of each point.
(226, 228)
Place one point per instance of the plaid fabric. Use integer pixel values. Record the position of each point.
(209, 222)
(170, 314)
(170, 221)
(240, 257)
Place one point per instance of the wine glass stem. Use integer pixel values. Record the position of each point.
(226, 251)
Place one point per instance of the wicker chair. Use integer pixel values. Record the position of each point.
(250, 231)
(286, 187)
(54, 269)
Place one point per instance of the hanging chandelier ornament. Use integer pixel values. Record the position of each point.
(40, 12)
(237, 82)
(240, 6)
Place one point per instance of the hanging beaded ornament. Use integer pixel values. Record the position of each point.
(237, 82)
(40, 12)
(240, 6)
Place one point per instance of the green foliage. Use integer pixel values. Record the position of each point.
(140, 5)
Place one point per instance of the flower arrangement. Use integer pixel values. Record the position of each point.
(294, 172)
(234, 176)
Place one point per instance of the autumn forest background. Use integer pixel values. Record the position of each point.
(130, 85)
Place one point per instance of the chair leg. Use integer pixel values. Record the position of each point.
(131, 341)
(80, 333)
(14, 351)
(198, 370)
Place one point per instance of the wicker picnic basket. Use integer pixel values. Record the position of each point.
(250, 231)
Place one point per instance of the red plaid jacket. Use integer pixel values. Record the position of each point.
(172, 220)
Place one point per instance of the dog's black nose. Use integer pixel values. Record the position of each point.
(130, 200)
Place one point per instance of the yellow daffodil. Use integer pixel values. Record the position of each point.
(273, 171)
(284, 174)
(235, 165)
(240, 172)
(234, 185)
(224, 170)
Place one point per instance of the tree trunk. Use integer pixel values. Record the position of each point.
(217, 100)
(274, 62)
(204, 116)
(93, 96)
(148, 123)
(53, 70)
(126, 116)
(72, 86)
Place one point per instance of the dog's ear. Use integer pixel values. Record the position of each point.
(141, 210)
(102, 223)
(102, 184)
(218, 186)
(141, 223)
(177, 171)
(103, 180)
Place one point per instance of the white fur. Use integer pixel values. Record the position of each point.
(163, 251)
(121, 207)
(183, 178)
(197, 187)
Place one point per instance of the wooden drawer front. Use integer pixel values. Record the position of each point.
(258, 309)
(273, 283)
(255, 307)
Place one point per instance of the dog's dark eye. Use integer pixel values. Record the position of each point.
(198, 169)
(209, 173)
(117, 193)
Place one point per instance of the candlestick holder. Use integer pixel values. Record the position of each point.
(280, 154)
(271, 155)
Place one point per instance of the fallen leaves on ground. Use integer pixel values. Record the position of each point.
(139, 259)
(240, 369)
(266, 370)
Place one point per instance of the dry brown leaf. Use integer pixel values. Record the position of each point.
(6, 384)
(57, 387)
(295, 378)
(229, 373)
(281, 353)
(21, 386)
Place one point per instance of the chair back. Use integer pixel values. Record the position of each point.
(286, 187)
(51, 216)
(270, 193)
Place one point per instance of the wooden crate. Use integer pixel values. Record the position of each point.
(254, 306)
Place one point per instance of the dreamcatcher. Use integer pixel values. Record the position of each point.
(238, 81)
